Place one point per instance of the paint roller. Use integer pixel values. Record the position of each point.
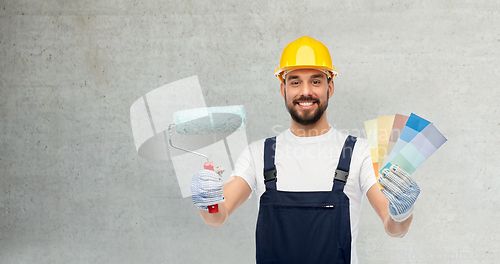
(223, 120)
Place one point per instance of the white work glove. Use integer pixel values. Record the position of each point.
(206, 189)
(400, 190)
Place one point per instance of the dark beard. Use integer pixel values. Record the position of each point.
(308, 118)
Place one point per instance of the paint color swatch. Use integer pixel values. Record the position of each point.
(414, 125)
(384, 127)
(372, 136)
(401, 140)
(418, 150)
(397, 127)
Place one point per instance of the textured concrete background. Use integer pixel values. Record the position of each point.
(73, 190)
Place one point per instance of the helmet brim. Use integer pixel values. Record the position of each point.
(279, 72)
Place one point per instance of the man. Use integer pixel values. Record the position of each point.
(310, 179)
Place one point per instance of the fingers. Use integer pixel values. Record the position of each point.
(399, 177)
(392, 182)
(210, 190)
(210, 201)
(208, 175)
(206, 189)
(206, 184)
(388, 194)
(207, 179)
(393, 210)
(402, 174)
(389, 185)
(401, 191)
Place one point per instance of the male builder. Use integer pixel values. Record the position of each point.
(310, 178)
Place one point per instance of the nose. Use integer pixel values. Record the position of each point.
(306, 89)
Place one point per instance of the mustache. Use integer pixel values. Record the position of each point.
(306, 98)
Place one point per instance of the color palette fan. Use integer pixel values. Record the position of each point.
(401, 140)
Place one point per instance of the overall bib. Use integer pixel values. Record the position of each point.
(304, 227)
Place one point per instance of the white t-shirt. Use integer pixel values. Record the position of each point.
(309, 164)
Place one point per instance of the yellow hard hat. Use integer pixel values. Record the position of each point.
(305, 53)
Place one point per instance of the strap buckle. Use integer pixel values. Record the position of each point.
(341, 175)
(270, 175)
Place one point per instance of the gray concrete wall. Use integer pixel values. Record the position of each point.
(73, 190)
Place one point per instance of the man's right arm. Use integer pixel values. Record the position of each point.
(236, 191)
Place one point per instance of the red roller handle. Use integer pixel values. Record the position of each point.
(214, 208)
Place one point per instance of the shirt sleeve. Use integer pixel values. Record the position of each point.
(367, 177)
(245, 168)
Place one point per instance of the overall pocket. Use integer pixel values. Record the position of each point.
(298, 234)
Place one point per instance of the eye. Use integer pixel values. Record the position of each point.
(316, 82)
(294, 82)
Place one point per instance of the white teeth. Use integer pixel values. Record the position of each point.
(306, 104)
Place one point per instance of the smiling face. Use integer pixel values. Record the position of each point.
(306, 93)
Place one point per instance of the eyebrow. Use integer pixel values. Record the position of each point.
(317, 76)
(292, 77)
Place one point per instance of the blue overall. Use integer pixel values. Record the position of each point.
(304, 227)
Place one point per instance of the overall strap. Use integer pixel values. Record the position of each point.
(269, 167)
(342, 171)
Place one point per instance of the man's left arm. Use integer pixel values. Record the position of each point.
(394, 205)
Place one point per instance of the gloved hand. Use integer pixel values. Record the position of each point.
(401, 191)
(206, 189)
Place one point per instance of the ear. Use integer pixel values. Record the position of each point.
(282, 88)
(330, 89)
